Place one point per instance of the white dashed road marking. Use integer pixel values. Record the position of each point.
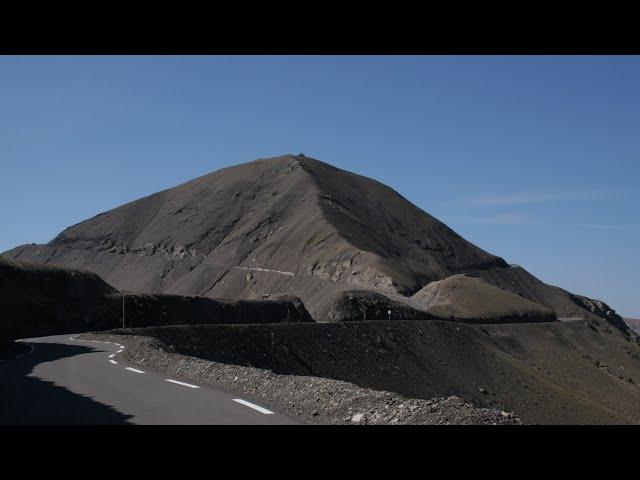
(182, 383)
(135, 370)
(254, 406)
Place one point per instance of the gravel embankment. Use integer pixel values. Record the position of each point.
(308, 399)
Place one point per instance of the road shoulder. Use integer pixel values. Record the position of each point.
(307, 399)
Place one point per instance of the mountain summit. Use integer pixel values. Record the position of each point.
(285, 225)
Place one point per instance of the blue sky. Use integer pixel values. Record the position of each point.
(535, 159)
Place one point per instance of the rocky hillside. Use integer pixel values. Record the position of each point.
(473, 299)
(287, 225)
(566, 305)
(38, 300)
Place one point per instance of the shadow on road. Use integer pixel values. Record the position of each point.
(26, 400)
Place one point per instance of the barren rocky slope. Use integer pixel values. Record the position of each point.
(307, 398)
(282, 225)
(286, 225)
(581, 372)
(474, 299)
(565, 304)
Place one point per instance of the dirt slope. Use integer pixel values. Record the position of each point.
(286, 225)
(39, 300)
(566, 305)
(308, 399)
(468, 298)
(582, 372)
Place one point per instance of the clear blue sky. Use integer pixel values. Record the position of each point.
(536, 159)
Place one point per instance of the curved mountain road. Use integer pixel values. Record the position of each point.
(67, 381)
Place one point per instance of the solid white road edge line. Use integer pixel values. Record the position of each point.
(113, 361)
(254, 406)
(133, 370)
(182, 383)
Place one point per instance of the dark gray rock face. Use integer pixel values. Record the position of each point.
(144, 310)
(363, 305)
(39, 300)
(602, 310)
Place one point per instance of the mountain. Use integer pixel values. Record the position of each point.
(289, 225)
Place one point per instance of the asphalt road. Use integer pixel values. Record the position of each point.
(62, 381)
